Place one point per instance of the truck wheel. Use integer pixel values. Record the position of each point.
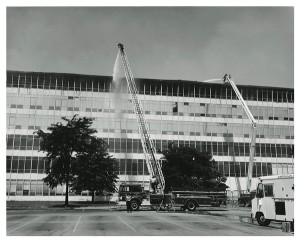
(134, 205)
(262, 221)
(191, 206)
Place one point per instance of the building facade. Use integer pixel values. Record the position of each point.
(205, 116)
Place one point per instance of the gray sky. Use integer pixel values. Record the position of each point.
(254, 44)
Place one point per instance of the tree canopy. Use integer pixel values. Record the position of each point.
(67, 147)
(189, 169)
(96, 169)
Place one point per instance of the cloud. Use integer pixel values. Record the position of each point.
(191, 43)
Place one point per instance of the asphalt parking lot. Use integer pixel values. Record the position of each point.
(117, 222)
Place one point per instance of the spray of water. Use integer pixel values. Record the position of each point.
(213, 80)
(118, 80)
(117, 102)
(118, 74)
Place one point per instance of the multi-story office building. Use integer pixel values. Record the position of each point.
(205, 116)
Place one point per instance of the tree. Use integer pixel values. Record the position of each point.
(189, 169)
(96, 169)
(63, 144)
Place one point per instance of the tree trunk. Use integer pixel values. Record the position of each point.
(93, 196)
(67, 184)
(67, 194)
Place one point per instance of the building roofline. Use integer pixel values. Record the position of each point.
(153, 80)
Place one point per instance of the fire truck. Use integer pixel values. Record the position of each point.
(185, 200)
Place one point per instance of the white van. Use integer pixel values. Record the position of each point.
(274, 199)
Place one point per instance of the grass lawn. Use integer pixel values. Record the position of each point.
(52, 204)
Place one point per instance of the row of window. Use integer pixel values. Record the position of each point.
(31, 142)
(22, 164)
(228, 135)
(240, 169)
(281, 118)
(124, 131)
(39, 188)
(170, 127)
(76, 109)
(33, 188)
(145, 87)
(33, 164)
(213, 111)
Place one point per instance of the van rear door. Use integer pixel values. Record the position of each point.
(284, 200)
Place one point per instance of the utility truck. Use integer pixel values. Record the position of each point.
(245, 198)
(274, 199)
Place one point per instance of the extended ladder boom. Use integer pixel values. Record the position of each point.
(227, 78)
(153, 165)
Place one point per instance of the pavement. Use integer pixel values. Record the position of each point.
(115, 221)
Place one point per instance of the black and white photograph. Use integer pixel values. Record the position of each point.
(173, 120)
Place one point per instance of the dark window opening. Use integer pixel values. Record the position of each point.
(175, 107)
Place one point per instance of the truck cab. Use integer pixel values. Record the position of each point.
(274, 199)
(136, 192)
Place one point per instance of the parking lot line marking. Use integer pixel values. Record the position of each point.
(174, 223)
(244, 230)
(126, 224)
(23, 225)
(76, 224)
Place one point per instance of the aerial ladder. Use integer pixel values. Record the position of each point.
(153, 164)
(227, 79)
